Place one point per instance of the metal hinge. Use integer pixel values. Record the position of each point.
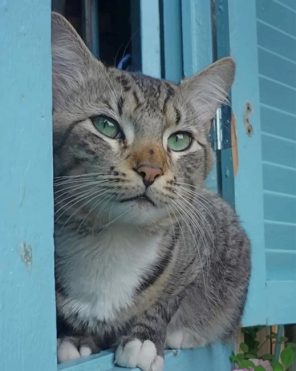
(221, 129)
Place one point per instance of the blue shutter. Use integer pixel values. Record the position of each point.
(263, 43)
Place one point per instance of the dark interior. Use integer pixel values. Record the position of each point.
(117, 29)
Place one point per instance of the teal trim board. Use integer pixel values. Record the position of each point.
(248, 181)
(197, 48)
(27, 302)
(171, 39)
(196, 35)
(150, 37)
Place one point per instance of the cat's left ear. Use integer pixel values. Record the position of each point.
(72, 62)
(209, 89)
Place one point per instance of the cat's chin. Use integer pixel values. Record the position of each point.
(137, 211)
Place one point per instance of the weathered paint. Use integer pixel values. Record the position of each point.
(27, 304)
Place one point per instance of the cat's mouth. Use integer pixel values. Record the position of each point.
(141, 198)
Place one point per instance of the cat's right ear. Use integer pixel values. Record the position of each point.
(71, 59)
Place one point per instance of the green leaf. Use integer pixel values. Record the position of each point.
(246, 363)
(236, 357)
(233, 358)
(250, 355)
(244, 347)
(288, 356)
(268, 357)
(259, 368)
(276, 366)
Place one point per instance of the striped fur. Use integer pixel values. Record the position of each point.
(139, 267)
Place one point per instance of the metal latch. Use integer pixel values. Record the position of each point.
(221, 129)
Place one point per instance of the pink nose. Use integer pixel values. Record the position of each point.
(149, 173)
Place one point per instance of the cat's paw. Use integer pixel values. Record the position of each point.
(183, 339)
(70, 348)
(137, 353)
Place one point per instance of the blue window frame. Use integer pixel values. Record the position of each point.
(176, 40)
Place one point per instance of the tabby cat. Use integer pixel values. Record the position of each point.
(146, 257)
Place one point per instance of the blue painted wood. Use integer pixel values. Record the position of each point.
(197, 48)
(277, 68)
(248, 181)
(265, 191)
(197, 35)
(279, 235)
(290, 4)
(150, 38)
(277, 95)
(279, 150)
(278, 122)
(276, 41)
(281, 303)
(27, 306)
(277, 15)
(277, 179)
(281, 265)
(279, 207)
(172, 63)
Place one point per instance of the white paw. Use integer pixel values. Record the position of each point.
(68, 351)
(180, 339)
(140, 354)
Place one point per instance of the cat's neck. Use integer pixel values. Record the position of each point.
(111, 236)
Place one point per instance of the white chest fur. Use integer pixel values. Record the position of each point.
(101, 272)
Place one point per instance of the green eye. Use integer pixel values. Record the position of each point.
(107, 126)
(180, 141)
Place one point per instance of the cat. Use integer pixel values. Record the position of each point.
(146, 257)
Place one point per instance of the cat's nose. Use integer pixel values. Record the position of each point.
(149, 173)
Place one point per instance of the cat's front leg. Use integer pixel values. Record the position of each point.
(143, 346)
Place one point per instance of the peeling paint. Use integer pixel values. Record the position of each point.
(247, 123)
(26, 254)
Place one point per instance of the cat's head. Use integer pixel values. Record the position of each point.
(128, 146)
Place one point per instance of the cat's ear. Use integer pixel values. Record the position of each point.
(209, 89)
(71, 59)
